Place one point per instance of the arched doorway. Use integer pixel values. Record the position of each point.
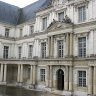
(60, 79)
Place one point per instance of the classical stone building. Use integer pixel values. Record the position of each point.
(49, 45)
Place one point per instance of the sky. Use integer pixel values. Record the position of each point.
(19, 3)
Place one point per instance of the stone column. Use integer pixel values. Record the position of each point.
(31, 75)
(70, 78)
(47, 77)
(94, 82)
(34, 74)
(5, 72)
(18, 76)
(52, 46)
(66, 79)
(1, 73)
(90, 80)
(21, 73)
(51, 79)
(71, 44)
(49, 45)
(67, 44)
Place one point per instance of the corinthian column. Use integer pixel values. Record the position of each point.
(31, 75)
(1, 73)
(90, 81)
(70, 78)
(21, 73)
(71, 44)
(18, 76)
(52, 46)
(67, 44)
(49, 46)
(66, 79)
(5, 72)
(94, 82)
(34, 74)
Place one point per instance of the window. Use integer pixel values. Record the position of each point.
(60, 48)
(82, 78)
(42, 75)
(6, 32)
(43, 49)
(30, 51)
(31, 30)
(82, 46)
(44, 23)
(82, 13)
(61, 16)
(5, 52)
(19, 52)
(21, 30)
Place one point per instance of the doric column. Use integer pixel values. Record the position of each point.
(71, 44)
(48, 75)
(34, 74)
(1, 74)
(70, 78)
(90, 81)
(31, 75)
(21, 73)
(94, 82)
(52, 46)
(66, 79)
(49, 46)
(51, 79)
(67, 44)
(18, 76)
(5, 72)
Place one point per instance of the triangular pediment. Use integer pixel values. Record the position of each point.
(57, 25)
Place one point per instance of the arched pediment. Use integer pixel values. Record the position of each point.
(57, 25)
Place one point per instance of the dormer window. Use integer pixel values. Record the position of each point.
(61, 16)
(7, 32)
(21, 30)
(31, 30)
(44, 25)
(82, 14)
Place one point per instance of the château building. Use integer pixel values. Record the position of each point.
(49, 45)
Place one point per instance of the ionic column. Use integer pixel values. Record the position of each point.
(34, 74)
(67, 44)
(94, 82)
(71, 44)
(66, 79)
(51, 79)
(31, 75)
(1, 73)
(5, 72)
(48, 75)
(21, 73)
(52, 46)
(70, 78)
(90, 81)
(18, 76)
(49, 45)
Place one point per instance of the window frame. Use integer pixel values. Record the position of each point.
(44, 23)
(43, 49)
(6, 52)
(7, 30)
(82, 80)
(19, 52)
(30, 51)
(42, 75)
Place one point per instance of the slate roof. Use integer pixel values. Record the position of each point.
(14, 15)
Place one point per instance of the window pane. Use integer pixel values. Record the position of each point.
(43, 49)
(61, 16)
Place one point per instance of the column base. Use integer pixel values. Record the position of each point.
(19, 84)
(3, 83)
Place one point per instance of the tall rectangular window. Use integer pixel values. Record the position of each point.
(82, 14)
(30, 51)
(19, 52)
(82, 46)
(5, 52)
(21, 32)
(44, 25)
(60, 47)
(31, 30)
(43, 49)
(82, 78)
(7, 32)
(42, 75)
(61, 16)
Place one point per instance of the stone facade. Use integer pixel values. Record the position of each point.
(26, 71)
